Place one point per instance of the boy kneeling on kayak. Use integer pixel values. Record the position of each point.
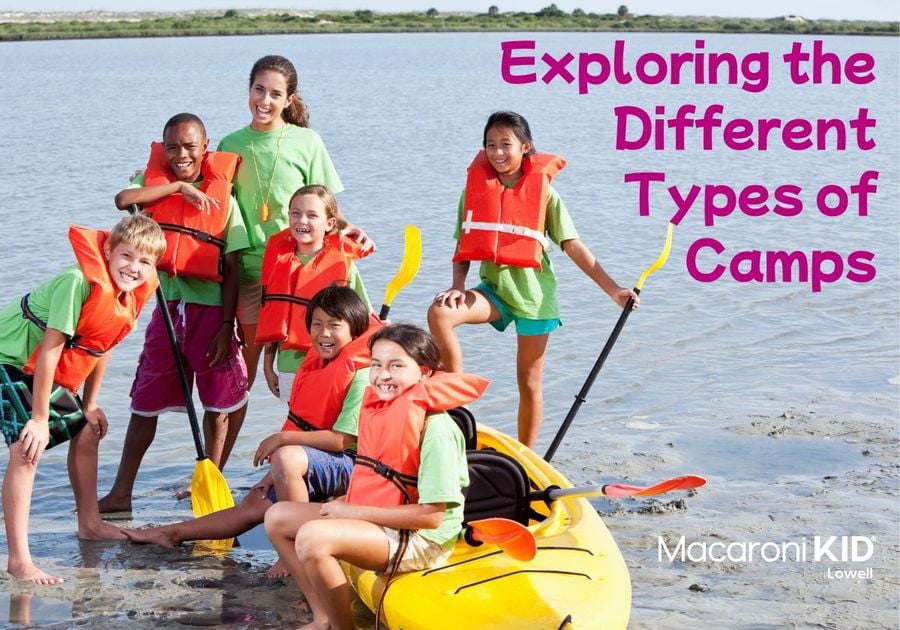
(408, 523)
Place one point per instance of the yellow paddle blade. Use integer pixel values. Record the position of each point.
(412, 257)
(663, 256)
(209, 490)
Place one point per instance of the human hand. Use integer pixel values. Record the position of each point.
(96, 419)
(621, 296)
(452, 298)
(339, 508)
(198, 198)
(220, 346)
(34, 438)
(358, 235)
(268, 446)
(272, 380)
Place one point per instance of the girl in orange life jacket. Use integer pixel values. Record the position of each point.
(424, 509)
(313, 462)
(506, 214)
(309, 255)
(62, 332)
(280, 153)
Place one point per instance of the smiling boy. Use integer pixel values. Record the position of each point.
(187, 190)
(52, 341)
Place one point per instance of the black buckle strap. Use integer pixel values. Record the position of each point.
(300, 423)
(283, 297)
(71, 343)
(203, 237)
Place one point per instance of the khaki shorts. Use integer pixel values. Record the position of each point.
(249, 301)
(420, 553)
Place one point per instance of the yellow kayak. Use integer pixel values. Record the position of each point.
(578, 579)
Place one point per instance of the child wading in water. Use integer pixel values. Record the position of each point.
(53, 340)
(312, 456)
(187, 190)
(378, 525)
(308, 255)
(279, 155)
(507, 217)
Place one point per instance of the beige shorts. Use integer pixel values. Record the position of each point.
(249, 301)
(420, 553)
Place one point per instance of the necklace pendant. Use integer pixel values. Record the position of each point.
(264, 212)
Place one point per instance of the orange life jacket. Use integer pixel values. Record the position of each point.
(288, 285)
(317, 397)
(104, 320)
(505, 225)
(390, 437)
(195, 240)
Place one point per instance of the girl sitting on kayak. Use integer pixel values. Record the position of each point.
(508, 215)
(408, 523)
(318, 439)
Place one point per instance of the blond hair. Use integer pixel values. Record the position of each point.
(331, 205)
(141, 232)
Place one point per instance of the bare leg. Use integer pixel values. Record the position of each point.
(18, 483)
(215, 425)
(289, 467)
(442, 320)
(216, 526)
(529, 372)
(82, 462)
(251, 352)
(138, 438)
(234, 423)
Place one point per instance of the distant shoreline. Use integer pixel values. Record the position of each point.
(28, 26)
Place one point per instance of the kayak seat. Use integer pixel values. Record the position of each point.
(498, 487)
(465, 420)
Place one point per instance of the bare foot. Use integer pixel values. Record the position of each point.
(151, 536)
(101, 530)
(109, 503)
(183, 493)
(31, 573)
(316, 625)
(277, 570)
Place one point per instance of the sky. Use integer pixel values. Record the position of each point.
(814, 9)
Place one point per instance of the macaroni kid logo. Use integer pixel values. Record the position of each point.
(842, 549)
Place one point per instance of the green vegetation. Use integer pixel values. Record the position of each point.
(550, 18)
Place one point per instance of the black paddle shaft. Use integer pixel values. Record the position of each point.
(179, 364)
(598, 364)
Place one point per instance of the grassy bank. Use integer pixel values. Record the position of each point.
(234, 22)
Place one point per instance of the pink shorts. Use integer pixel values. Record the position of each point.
(157, 387)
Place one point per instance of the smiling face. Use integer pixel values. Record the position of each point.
(129, 267)
(505, 151)
(309, 222)
(268, 98)
(329, 334)
(392, 370)
(185, 145)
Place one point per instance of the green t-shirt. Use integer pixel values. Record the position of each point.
(289, 361)
(301, 160)
(196, 290)
(529, 292)
(443, 473)
(348, 420)
(57, 302)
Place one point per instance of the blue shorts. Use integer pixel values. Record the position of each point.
(327, 476)
(524, 326)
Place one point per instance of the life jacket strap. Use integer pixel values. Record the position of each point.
(400, 480)
(71, 342)
(301, 424)
(203, 237)
(520, 230)
(283, 297)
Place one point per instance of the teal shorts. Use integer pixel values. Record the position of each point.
(524, 326)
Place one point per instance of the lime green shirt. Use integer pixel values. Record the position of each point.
(348, 420)
(529, 292)
(443, 473)
(274, 165)
(196, 290)
(57, 302)
(289, 361)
